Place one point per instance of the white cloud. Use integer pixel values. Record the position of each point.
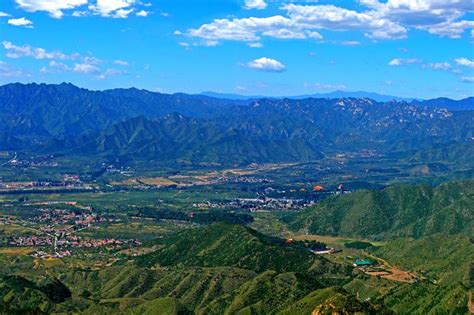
(14, 51)
(210, 43)
(314, 35)
(439, 66)
(109, 73)
(255, 45)
(112, 8)
(465, 62)
(467, 79)
(403, 62)
(255, 4)
(266, 64)
(239, 29)
(450, 28)
(390, 19)
(85, 68)
(105, 8)
(350, 43)
(142, 13)
(21, 22)
(80, 13)
(8, 71)
(121, 63)
(341, 19)
(301, 22)
(439, 17)
(122, 13)
(3, 14)
(53, 7)
(55, 67)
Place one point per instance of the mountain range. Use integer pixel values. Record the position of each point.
(196, 128)
(336, 94)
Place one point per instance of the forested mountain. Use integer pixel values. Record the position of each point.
(396, 211)
(464, 104)
(130, 122)
(235, 246)
(209, 270)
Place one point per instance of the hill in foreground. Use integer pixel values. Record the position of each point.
(233, 246)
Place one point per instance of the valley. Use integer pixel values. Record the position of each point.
(284, 206)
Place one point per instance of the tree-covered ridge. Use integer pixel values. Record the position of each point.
(396, 211)
(234, 246)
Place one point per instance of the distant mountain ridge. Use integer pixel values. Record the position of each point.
(196, 128)
(336, 94)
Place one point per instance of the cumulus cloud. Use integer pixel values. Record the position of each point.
(465, 62)
(53, 7)
(300, 22)
(3, 14)
(439, 17)
(255, 4)
(105, 8)
(14, 51)
(467, 79)
(266, 64)
(403, 62)
(142, 13)
(390, 19)
(113, 8)
(85, 68)
(21, 22)
(340, 19)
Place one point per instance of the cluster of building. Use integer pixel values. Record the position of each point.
(56, 228)
(125, 171)
(80, 219)
(69, 241)
(258, 204)
(31, 240)
(38, 161)
(41, 185)
(245, 180)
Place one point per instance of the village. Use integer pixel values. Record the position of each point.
(68, 182)
(53, 231)
(272, 199)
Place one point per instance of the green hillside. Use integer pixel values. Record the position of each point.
(233, 246)
(396, 211)
(442, 262)
(333, 300)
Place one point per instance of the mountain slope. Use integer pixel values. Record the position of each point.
(233, 246)
(175, 137)
(464, 104)
(194, 128)
(399, 210)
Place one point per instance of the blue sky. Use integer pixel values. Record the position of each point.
(411, 48)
